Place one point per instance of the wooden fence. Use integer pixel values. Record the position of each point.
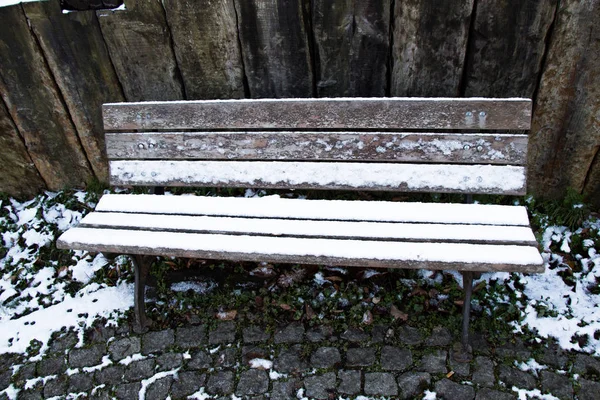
(56, 69)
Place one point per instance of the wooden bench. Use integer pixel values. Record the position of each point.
(392, 144)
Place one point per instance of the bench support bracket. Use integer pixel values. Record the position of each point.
(464, 353)
(141, 266)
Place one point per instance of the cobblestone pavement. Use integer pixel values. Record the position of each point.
(234, 361)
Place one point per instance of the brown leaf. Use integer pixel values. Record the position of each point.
(289, 278)
(449, 374)
(310, 313)
(333, 278)
(367, 318)
(397, 314)
(260, 302)
(375, 300)
(459, 302)
(263, 272)
(285, 307)
(418, 292)
(227, 315)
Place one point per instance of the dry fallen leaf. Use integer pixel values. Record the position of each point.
(227, 315)
(367, 318)
(449, 374)
(333, 278)
(397, 314)
(285, 307)
(375, 300)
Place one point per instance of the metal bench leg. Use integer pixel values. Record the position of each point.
(141, 266)
(465, 353)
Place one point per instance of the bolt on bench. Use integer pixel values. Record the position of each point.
(390, 144)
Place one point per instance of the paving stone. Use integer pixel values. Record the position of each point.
(100, 394)
(138, 370)
(285, 390)
(434, 363)
(412, 384)
(220, 383)
(223, 334)
(156, 341)
(251, 352)
(440, 336)
(320, 333)
(125, 347)
(290, 360)
(190, 336)
(3, 396)
(489, 394)
(63, 343)
(514, 377)
(253, 381)
(199, 360)
(588, 390)
(448, 390)
(409, 335)
(5, 379)
(461, 369)
(169, 361)
(395, 358)
(27, 371)
(350, 382)
(483, 374)
(56, 387)
(325, 357)
(480, 344)
(355, 335)
(255, 334)
(320, 386)
(159, 390)
(30, 395)
(52, 366)
(226, 358)
(558, 385)
(80, 383)
(128, 391)
(86, 357)
(586, 365)
(110, 375)
(515, 350)
(380, 384)
(360, 357)
(379, 333)
(292, 333)
(554, 356)
(187, 383)
(99, 333)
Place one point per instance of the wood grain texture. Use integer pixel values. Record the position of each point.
(275, 47)
(74, 48)
(139, 43)
(36, 106)
(507, 47)
(180, 245)
(565, 137)
(445, 178)
(371, 146)
(429, 47)
(206, 46)
(352, 43)
(342, 113)
(19, 175)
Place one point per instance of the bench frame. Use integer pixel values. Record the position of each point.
(396, 140)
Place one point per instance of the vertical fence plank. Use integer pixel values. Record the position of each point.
(35, 105)
(19, 176)
(139, 43)
(206, 46)
(565, 139)
(76, 54)
(430, 41)
(352, 41)
(275, 47)
(507, 47)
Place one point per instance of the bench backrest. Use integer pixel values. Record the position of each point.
(457, 145)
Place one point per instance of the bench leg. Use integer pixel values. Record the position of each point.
(465, 353)
(141, 266)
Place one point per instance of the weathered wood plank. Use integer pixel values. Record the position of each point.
(352, 42)
(445, 178)
(74, 48)
(19, 176)
(452, 256)
(342, 113)
(139, 43)
(565, 132)
(507, 47)
(476, 234)
(362, 146)
(429, 47)
(334, 210)
(36, 105)
(275, 47)
(206, 46)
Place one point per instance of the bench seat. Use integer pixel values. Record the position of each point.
(464, 237)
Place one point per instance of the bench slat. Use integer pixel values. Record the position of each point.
(311, 228)
(455, 256)
(340, 113)
(490, 179)
(336, 210)
(371, 146)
